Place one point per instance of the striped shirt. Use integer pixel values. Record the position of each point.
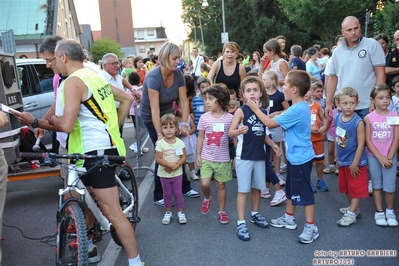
(215, 147)
(198, 109)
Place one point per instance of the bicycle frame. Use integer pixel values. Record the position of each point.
(74, 183)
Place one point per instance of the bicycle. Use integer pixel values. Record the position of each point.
(71, 243)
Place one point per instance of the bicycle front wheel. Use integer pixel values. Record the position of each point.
(72, 246)
(128, 183)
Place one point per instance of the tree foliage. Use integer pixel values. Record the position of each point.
(250, 23)
(103, 46)
(387, 20)
(324, 17)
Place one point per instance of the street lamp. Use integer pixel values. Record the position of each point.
(195, 34)
(224, 35)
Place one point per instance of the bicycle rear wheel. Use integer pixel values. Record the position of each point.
(72, 246)
(129, 182)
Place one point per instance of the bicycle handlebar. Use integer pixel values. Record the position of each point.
(76, 156)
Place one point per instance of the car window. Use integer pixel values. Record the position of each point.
(45, 76)
(25, 79)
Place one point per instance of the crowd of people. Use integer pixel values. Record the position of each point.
(252, 118)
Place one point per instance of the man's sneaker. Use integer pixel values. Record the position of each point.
(242, 232)
(206, 205)
(266, 194)
(193, 175)
(347, 220)
(71, 228)
(391, 219)
(166, 218)
(192, 194)
(313, 187)
(159, 202)
(144, 149)
(281, 222)
(223, 218)
(282, 179)
(182, 218)
(370, 188)
(133, 147)
(329, 170)
(321, 185)
(380, 220)
(278, 198)
(283, 167)
(357, 212)
(94, 255)
(309, 234)
(259, 220)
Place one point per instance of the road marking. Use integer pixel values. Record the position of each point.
(112, 252)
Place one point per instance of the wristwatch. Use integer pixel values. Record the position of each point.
(35, 123)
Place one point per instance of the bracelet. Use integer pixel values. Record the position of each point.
(185, 124)
(160, 134)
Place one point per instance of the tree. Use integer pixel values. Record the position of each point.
(250, 23)
(103, 46)
(386, 20)
(323, 17)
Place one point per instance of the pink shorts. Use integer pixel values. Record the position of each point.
(356, 187)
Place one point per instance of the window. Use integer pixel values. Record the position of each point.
(140, 35)
(141, 49)
(152, 47)
(150, 32)
(45, 76)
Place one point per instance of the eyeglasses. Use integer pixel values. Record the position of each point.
(114, 64)
(48, 62)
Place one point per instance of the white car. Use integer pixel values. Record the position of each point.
(36, 83)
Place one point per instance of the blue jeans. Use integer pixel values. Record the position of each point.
(158, 192)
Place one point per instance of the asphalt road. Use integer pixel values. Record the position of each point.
(31, 207)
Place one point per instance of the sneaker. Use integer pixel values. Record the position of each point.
(166, 218)
(144, 149)
(321, 185)
(206, 205)
(313, 188)
(282, 179)
(329, 170)
(193, 175)
(309, 234)
(282, 223)
(336, 171)
(391, 219)
(347, 220)
(357, 212)
(266, 194)
(259, 220)
(71, 228)
(159, 202)
(94, 255)
(283, 168)
(133, 147)
(192, 194)
(278, 198)
(370, 188)
(223, 218)
(242, 232)
(182, 218)
(380, 220)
